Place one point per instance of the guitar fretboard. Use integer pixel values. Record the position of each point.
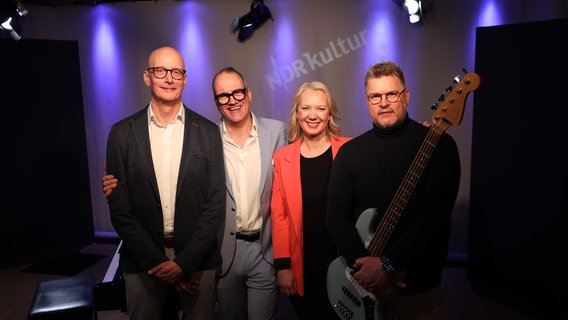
(404, 192)
(448, 114)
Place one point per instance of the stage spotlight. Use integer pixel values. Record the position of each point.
(22, 11)
(7, 27)
(414, 10)
(9, 22)
(246, 24)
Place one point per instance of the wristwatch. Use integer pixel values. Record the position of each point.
(388, 266)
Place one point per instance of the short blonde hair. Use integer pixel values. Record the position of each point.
(383, 69)
(294, 129)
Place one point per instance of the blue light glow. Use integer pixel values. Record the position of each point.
(107, 87)
(193, 43)
(490, 15)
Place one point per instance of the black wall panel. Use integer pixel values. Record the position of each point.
(46, 205)
(519, 180)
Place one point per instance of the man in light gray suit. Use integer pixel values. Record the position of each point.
(246, 282)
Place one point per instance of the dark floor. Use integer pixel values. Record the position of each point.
(18, 289)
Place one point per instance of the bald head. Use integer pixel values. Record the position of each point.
(166, 78)
(166, 57)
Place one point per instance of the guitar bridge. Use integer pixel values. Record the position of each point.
(343, 309)
(369, 305)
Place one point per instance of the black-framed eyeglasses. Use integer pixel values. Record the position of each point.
(392, 97)
(161, 72)
(237, 94)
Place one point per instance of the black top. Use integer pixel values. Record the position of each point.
(368, 171)
(319, 249)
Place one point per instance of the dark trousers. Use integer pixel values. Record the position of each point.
(314, 304)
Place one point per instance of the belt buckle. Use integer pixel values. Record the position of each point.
(248, 236)
(169, 240)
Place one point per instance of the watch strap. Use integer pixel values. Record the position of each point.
(388, 266)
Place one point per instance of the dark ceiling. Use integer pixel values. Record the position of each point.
(55, 3)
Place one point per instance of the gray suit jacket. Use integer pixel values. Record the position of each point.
(135, 207)
(272, 135)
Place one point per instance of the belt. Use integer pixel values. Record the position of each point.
(169, 240)
(248, 236)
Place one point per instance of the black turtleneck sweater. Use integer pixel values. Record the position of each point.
(368, 171)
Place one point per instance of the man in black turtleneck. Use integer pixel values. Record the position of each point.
(404, 272)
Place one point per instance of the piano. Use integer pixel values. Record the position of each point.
(110, 294)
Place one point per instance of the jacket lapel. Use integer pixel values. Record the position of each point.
(293, 190)
(189, 136)
(265, 151)
(142, 138)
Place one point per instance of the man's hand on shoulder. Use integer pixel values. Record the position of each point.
(109, 183)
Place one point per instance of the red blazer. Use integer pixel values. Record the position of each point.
(286, 207)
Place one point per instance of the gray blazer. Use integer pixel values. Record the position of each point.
(135, 208)
(272, 135)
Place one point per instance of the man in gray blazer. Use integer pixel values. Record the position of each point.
(169, 203)
(246, 287)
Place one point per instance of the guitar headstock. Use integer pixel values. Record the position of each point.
(450, 112)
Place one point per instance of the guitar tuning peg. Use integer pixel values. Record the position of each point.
(448, 89)
(441, 98)
(456, 79)
(464, 70)
(434, 106)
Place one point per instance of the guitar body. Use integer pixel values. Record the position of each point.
(364, 225)
(348, 298)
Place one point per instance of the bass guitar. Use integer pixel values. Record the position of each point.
(349, 299)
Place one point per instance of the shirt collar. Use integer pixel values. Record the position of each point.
(180, 115)
(253, 129)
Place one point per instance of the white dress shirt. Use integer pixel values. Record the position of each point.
(166, 143)
(243, 169)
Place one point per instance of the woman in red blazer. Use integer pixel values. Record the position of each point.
(303, 249)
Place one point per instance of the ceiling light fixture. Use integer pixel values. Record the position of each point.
(22, 11)
(248, 23)
(9, 18)
(414, 10)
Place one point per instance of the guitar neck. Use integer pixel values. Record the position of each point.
(404, 192)
(448, 114)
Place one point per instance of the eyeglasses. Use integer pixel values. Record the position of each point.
(392, 97)
(161, 72)
(238, 94)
